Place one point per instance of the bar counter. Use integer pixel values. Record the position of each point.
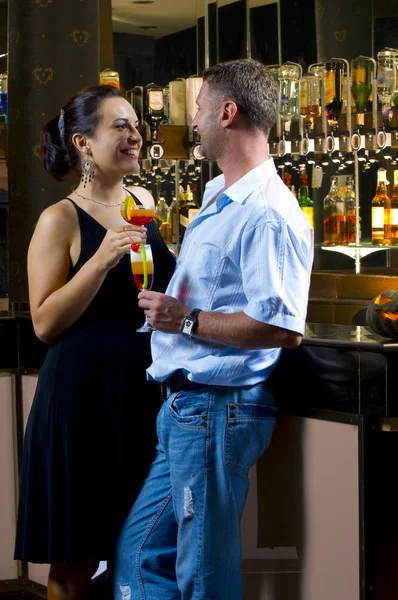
(321, 520)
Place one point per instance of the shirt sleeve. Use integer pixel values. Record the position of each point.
(276, 269)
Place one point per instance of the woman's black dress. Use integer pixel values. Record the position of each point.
(90, 435)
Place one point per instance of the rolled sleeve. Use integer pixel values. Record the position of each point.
(276, 275)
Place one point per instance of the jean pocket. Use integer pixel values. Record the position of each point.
(189, 410)
(248, 434)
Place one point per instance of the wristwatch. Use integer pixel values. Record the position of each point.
(190, 322)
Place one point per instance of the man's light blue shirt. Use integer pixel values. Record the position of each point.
(251, 250)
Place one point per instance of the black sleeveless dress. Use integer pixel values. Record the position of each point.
(90, 436)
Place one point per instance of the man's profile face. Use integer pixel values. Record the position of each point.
(206, 122)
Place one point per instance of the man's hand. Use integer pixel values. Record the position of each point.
(164, 313)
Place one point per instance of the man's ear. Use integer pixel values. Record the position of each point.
(229, 112)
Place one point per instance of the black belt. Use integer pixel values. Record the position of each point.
(175, 382)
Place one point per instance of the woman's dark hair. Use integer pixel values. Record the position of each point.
(80, 114)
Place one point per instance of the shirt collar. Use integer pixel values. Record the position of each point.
(241, 189)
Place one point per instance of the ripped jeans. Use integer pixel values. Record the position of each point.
(181, 540)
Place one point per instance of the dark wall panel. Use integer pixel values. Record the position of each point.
(298, 31)
(54, 51)
(264, 33)
(232, 31)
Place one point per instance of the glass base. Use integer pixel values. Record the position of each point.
(146, 327)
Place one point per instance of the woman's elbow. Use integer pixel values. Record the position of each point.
(43, 332)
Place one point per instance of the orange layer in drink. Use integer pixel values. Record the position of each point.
(138, 268)
(135, 215)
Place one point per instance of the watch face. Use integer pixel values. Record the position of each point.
(188, 325)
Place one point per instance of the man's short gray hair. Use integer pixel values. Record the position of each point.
(250, 85)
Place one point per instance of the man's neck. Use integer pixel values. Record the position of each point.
(246, 155)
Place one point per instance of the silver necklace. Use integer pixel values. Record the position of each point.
(98, 201)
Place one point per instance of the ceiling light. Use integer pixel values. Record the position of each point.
(143, 1)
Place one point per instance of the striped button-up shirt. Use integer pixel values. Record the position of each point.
(251, 250)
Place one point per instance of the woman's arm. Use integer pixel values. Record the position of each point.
(55, 302)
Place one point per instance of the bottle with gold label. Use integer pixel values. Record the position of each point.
(381, 206)
(394, 212)
(188, 209)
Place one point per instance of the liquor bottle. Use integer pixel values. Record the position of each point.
(289, 83)
(348, 234)
(188, 209)
(387, 64)
(310, 99)
(173, 218)
(361, 86)
(394, 212)
(162, 218)
(287, 180)
(305, 202)
(153, 104)
(178, 102)
(333, 92)
(333, 215)
(109, 77)
(381, 205)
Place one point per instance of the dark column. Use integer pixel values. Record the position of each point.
(53, 52)
(106, 35)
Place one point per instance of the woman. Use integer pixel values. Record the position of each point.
(90, 435)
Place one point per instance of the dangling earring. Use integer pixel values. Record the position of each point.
(87, 171)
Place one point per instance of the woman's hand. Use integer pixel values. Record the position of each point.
(116, 243)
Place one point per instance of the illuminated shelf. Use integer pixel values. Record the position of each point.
(356, 251)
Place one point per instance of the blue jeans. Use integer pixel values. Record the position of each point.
(181, 540)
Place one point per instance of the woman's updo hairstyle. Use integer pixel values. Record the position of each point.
(80, 114)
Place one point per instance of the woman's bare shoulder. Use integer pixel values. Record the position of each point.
(142, 194)
(59, 217)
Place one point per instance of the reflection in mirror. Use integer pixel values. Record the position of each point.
(265, 42)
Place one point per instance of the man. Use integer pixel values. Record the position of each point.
(239, 294)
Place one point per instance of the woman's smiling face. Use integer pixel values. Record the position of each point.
(117, 142)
